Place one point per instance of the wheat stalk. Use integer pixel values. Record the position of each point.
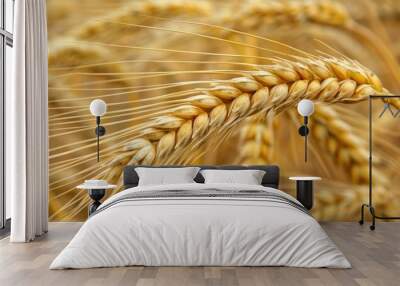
(278, 87)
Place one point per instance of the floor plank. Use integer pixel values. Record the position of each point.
(375, 257)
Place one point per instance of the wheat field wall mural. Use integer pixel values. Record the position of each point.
(218, 82)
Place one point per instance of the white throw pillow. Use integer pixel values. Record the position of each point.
(166, 176)
(248, 177)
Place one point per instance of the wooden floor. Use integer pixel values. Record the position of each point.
(375, 257)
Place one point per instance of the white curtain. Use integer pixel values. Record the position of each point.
(27, 130)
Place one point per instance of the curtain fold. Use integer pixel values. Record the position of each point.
(28, 124)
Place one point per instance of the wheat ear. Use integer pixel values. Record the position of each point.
(341, 142)
(322, 12)
(278, 87)
(256, 145)
(342, 201)
(388, 9)
(137, 12)
(351, 153)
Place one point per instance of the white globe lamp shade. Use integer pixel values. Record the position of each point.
(305, 107)
(98, 107)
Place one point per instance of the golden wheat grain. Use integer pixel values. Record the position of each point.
(342, 202)
(348, 150)
(69, 56)
(63, 53)
(256, 142)
(294, 11)
(388, 9)
(154, 135)
(139, 12)
(324, 12)
(278, 87)
(351, 153)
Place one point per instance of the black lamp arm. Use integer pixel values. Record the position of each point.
(303, 131)
(100, 131)
(305, 138)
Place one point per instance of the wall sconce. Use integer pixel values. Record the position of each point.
(305, 108)
(98, 108)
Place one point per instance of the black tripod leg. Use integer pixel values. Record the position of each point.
(361, 221)
(372, 210)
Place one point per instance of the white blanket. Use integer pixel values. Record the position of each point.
(192, 231)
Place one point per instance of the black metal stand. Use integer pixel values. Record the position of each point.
(370, 204)
(96, 195)
(304, 193)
